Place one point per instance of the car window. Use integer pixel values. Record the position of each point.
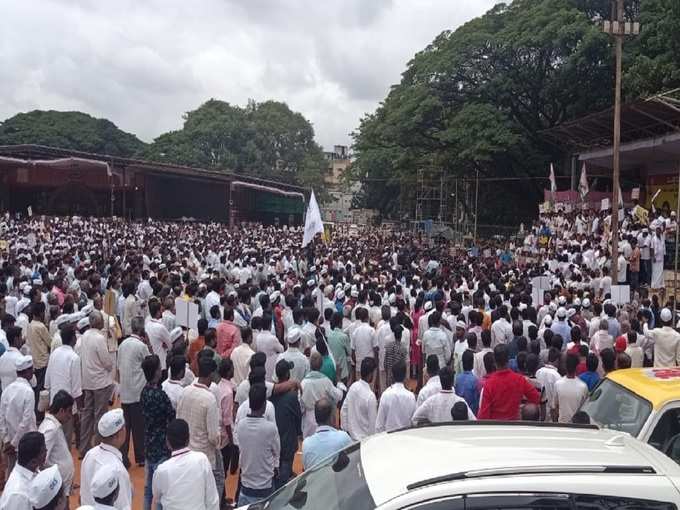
(518, 502)
(541, 501)
(666, 428)
(612, 406)
(338, 482)
(583, 502)
(453, 503)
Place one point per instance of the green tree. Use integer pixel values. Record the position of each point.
(477, 99)
(69, 130)
(265, 140)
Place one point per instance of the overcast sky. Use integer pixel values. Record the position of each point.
(142, 63)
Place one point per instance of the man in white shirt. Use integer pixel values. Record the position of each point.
(666, 341)
(501, 329)
(58, 452)
(8, 370)
(637, 356)
(571, 391)
(658, 252)
(172, 386)
(295, 356)
(548, 375)
(622, 266)
(241, 355)
(437, 408)
(315, 387)
(131, 353)
(111, 428)
(30, 457)
(644, 243)
(363, 341)
(397, 404)
(358, 413)
(435, 341)
(17, 410)
(602, 339)
(433, 384)
(64, 373)
(212, 298)
(269, 345)
(158, 335)
(260, 449)
(96, 363)
(605, 282)
(198, 407)
(185, 480)
(478, 366)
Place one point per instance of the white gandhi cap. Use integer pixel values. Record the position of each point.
(45, 486)
(23, 363)
(111, 422)
(104, 482)
(666, 315)
(176, 334)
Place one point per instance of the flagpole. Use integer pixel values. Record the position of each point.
(675, 270)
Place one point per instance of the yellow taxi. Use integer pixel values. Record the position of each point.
(645, 402)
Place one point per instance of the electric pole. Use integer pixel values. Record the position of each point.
(619, 29)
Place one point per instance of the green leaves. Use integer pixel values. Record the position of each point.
(68, 130)
(265, 140)
(478, 98)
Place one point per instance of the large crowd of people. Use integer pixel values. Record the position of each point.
(296, 350)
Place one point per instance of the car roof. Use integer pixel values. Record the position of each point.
(396, 462)
(657, 385)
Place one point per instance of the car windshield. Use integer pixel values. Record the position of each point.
(337, 483)
(612, 406)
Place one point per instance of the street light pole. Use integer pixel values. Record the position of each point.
(617, 144)
(618, 28)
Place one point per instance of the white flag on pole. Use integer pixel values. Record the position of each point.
(553, 184)
(313, 223)
(583, 188)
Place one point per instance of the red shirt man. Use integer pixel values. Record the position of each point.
(504, 390)
(228, 334)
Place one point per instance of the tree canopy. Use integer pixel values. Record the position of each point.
(265, 140)
(477, 99)
(69, 130)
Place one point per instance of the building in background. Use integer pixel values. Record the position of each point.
(339, 208)
(54, 181)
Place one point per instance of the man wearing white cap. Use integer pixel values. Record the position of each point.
(47, 491)
(105, 489)
(17, 410)
(31, 457)
(131, 353)
(561, 326)
(294, 355)
(106, 456)
(665, 339)
(96, 363)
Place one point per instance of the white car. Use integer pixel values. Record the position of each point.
(488, 466)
